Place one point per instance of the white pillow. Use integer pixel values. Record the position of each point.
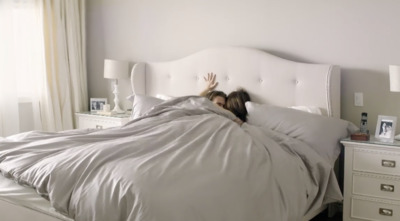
(309, 109)
(164, 97)
(142, 104)
(322, 133)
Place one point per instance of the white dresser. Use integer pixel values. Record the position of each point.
(93, 120)
(371, 180)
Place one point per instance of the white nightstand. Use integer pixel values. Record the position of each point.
(371, 180)
(98, 121)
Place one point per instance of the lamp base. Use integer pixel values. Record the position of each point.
(397, 137)
(117, 110)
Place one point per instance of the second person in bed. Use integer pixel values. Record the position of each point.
(234, 102)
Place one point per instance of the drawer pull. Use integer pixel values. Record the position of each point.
(385, 212)
(387, 187)
(389, 163)
(99, 127)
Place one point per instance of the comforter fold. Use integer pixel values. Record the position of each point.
(184, 160)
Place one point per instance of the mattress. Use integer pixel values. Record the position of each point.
(17, 200)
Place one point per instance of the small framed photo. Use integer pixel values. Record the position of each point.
(97, 104)
(385, 128)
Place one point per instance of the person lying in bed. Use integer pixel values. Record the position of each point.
(236, 99)
(235, 103)
(217, 97)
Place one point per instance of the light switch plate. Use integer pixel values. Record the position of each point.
(358, 99)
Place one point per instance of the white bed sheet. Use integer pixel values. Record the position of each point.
(17, 203)
(178, 111)
(20, 196)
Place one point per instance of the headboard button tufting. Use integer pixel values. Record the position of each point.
(257, 71)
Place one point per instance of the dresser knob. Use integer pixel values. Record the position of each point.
(99, 127)
(389, 163)
(385, 212)
(387, 187)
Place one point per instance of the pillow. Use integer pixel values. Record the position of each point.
(142, 104)
(309, 109)
(321, 133)
(164, 97)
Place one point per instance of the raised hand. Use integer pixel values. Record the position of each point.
(210, 80)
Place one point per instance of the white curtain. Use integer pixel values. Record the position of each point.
(65, 58)
(42, 63)
(21, 65)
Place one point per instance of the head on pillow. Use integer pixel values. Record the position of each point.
(217, 97)
(236, 103)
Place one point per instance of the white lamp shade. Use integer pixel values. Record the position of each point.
(115, 69)
(394, 72)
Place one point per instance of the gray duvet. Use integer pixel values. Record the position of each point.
(186, 160)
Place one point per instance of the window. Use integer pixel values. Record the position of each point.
(22, 68)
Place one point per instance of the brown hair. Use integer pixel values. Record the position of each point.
(236, 103)
(212, 94)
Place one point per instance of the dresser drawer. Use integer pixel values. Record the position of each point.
(376, 186)
(376, 161)
(368, 209)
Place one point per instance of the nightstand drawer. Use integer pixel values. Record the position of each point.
(97, 121)
(369, 209)
(376, 161)
(376, 186)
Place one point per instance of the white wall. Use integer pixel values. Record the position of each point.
(361, 36)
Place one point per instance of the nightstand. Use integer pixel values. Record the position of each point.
(371, 180)
(93, 120)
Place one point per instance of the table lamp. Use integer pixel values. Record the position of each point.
(394, 74)
(116, 70)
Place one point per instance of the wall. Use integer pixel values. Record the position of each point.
(361, 36)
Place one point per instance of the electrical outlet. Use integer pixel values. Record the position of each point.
(358, 99)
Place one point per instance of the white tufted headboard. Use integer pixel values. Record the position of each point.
(268, 78)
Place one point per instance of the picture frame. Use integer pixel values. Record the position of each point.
(97, 104)
(385, 128)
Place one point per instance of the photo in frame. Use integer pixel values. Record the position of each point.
(385, 128)
(97, 104)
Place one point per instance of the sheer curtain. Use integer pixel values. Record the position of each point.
(42, 63)
(21, 65)
(65, 57)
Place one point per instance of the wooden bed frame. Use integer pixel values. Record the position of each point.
(268, 79)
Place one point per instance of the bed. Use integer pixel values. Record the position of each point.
(183, 158)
